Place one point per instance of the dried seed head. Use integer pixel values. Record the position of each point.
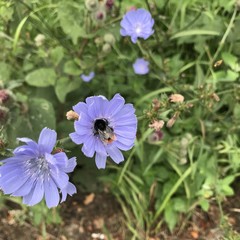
(157, 125)
(176, 98)
(215, 97)
(172, 120)
(156, 104)
(71, 115)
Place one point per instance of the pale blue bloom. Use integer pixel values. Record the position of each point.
(34, 173)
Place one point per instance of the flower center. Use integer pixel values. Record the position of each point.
(37, 167)
(102, 129)
(138, 28)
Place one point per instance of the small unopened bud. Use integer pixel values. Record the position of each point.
(215, 97)
(39, 40)
(91, 5)
(157, 125)
(172, 120)
(4, 96)
(156, 104)
(176, 98)
(99, 15)
(109, 4)
(106, 48)
(109, 38)
(155, 136)
(71, 115)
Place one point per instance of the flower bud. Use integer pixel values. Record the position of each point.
(99, 15)
(106, 48)
(109, 4)
(109, 38)
(156, 136)
(4, 96)
(91, 5)
(71, 115)
(39, 40)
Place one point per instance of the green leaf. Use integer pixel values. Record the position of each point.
(57, 54)
(194, 32)
(204, 204)
(71, 16)
(64, 86)
(72, 68)
(231, 61)
(5, 71)
(41, 114)
(170, 216)
(42, 77)
(180, 204)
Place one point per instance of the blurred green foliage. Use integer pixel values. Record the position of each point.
(46, 45)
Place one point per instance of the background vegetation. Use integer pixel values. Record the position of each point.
(47, 44)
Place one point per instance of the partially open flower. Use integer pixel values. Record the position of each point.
(176, 98)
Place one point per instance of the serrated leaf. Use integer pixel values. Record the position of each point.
(71, 68)
(42, 77)
(64, 86)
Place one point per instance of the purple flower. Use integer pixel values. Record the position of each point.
(35, 173)
(140, 66)
(105, 127)
(137, 23)
(88, 78)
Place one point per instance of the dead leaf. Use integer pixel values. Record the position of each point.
(89, 198)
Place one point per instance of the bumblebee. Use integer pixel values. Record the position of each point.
(105, 132)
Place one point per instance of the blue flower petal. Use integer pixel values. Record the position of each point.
(100, 161)
(51, 193)
(47, 140)
(115, 154)
(70, 189)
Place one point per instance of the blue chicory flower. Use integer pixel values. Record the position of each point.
(137, 24)
(88, 78)
(35, 173)
(140, 66)
(105, 127)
